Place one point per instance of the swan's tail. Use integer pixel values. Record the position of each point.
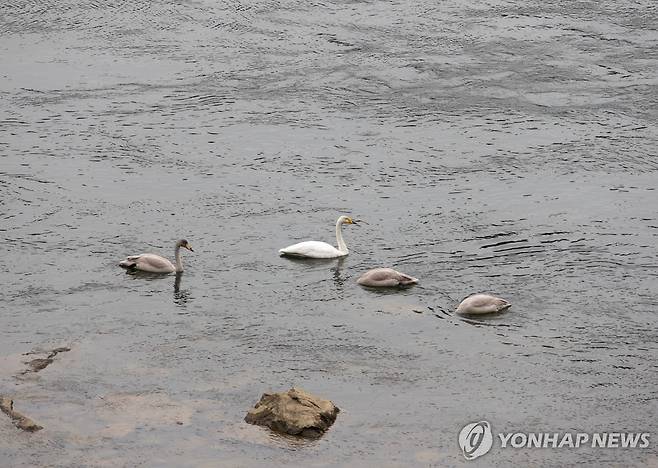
(504, 305)
(406, 280)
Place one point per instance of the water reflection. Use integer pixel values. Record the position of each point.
(384, 291)
(181, 297)
(313, 263)
(146, 275)
(319, 264)
(339, 280)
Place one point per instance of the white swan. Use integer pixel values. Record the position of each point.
(155, 263)
(315, 249)
(482, 304)
(385, 278)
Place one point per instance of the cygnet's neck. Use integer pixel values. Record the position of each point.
(179, 260)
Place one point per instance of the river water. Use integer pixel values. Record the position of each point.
(498, 146)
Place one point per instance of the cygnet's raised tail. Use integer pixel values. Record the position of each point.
(385, 278)
(478, 304)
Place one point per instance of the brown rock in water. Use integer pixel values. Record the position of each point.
(294, 412)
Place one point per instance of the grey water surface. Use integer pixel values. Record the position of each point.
(496, 146)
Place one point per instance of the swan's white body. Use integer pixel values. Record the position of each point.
(478, 304)
(316, 249)
(385, 278)
(155, 263)
(313, 249)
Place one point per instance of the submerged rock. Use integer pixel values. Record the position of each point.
(20, 421)
(294, 412)
(38, 364)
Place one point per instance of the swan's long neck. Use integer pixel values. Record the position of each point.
(339, 238)
(179, 261)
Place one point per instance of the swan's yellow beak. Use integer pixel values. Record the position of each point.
(189, 247)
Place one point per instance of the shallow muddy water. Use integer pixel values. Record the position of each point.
(499, 147)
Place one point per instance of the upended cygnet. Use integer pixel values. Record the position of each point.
(479, 304)
(385, 278)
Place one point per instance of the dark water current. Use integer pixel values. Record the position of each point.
(499, 146)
